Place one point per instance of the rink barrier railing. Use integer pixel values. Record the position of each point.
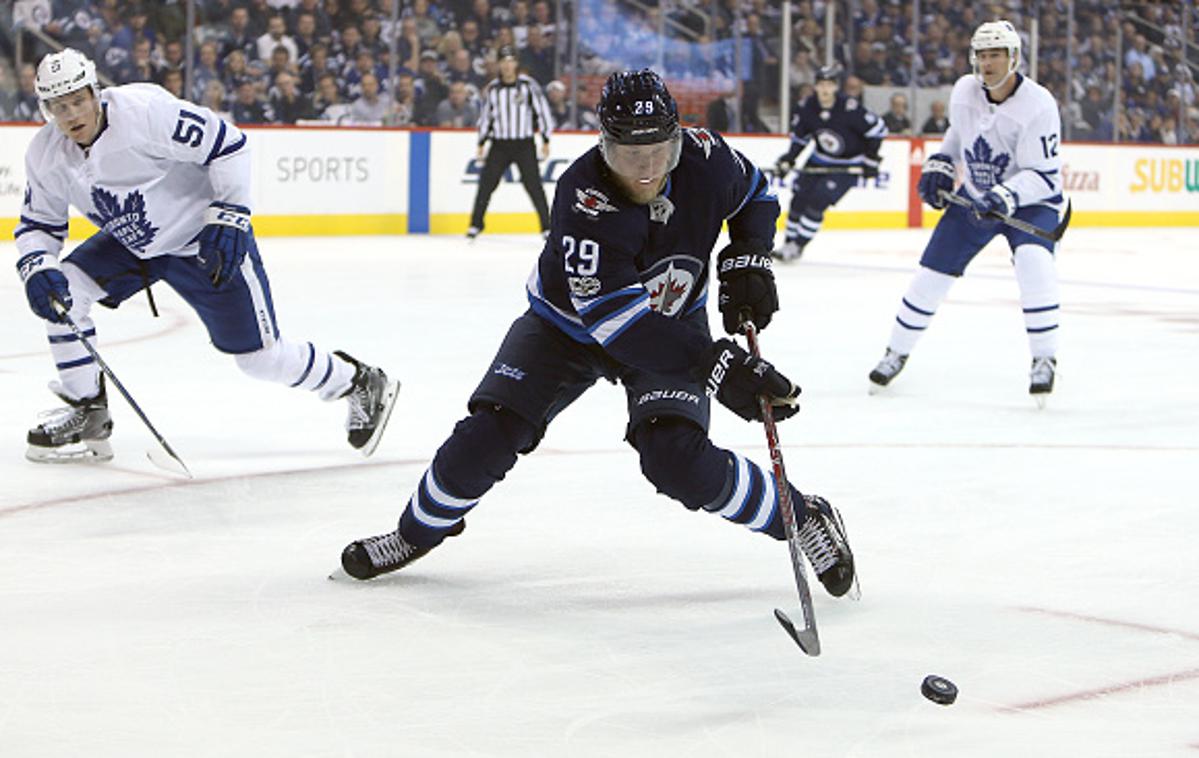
(320, 181)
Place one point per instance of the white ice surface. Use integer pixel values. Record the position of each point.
(1045, 561)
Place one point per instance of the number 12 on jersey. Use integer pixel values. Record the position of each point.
(588, 251)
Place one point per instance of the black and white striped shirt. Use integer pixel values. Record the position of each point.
(514, 111)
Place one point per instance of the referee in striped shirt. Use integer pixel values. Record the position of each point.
(513, 109)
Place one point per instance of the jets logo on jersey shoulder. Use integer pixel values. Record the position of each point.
(830, 142)
(703, 139)
(592, 202)
(985, 166)
(670, 282)
(127, 222)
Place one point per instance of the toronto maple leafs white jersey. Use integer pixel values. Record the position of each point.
(1014, 142)
(147, 178)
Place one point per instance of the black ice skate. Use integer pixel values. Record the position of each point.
(1040, 379)
(368, 558)
(371, 397)
(886, 370)
(826, 546)
(78, 432)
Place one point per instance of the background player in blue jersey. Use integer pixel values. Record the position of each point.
(847, 137)
(619, 293)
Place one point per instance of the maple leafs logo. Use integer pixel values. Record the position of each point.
(985, 166)
(126, 222)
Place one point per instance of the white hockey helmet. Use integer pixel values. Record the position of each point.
(995, 35)
(62, 73)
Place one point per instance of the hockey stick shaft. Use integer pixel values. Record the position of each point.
(62, 313)
(833, 170)
(806, 637)
(1050, 235)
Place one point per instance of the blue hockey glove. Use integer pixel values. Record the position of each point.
(999, 199)
(44, 282)
(746, 284)
(224, 241)
(736, 379)
(870, 164)
(938, 174)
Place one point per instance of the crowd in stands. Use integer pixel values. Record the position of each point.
(288, 61)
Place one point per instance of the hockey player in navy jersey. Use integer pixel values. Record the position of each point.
(847, 137)
(168, 183)
(619, 293)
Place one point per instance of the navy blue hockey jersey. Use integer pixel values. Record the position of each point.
(844, 133)
(622, 275)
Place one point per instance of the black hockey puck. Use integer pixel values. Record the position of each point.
(939, 689)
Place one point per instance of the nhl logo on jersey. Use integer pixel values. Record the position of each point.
(670, 283)
(660, 209)
(986, 168)
(592, 202)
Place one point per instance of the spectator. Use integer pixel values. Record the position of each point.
(537, 59)
(305, 34)
(275, 38)
(128, 36)
(462, 70)
(238, 35)
(345, 51)
(802, 70)
(8, 92)
(363, 65)
(853, 87)
(206, 70)
(876, 69)
(430, 89)
(27, 108)
(403, 112)
(456, 110)
(247, 108)
(426, 26)
(937, 123)
(371, 107)
(408, 45)
(315, 66)
(555, 95)
(324, 30)
(215, 99)
(172, 81)
(235, 71)
(896, 119)
(471, 39)
(327, 103)
(287, 104)
(1139, 53)
(722, 112)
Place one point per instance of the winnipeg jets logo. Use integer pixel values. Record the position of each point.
(670, 283)
(985, 166)
(126, 222)
(703, 139)
(592, 202)
(830, 142)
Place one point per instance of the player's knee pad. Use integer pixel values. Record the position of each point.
(1036, 275)
(680, 461)
(482, 449)
(264, 364)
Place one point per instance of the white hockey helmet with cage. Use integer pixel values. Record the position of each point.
(995, 35)
(61, 74)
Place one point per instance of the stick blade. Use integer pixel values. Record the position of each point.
(168, 462)
(807, 639)
(1061, 228)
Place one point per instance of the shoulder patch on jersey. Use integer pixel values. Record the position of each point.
(985, 166)
(703, 139)
(661, 209)
(593, 202)
(127, 222)
(583, 286)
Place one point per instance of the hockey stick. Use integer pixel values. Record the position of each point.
(832, 170)
(806, 637)
(166, 464)
(1049, 235)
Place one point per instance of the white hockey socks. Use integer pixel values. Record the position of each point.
(299, 364)
(916, 310)
(78, 374)
(1039, 296)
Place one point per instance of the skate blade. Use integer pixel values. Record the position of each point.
(874, 389)
(1041, 399)
(389, 400)
(88, 451)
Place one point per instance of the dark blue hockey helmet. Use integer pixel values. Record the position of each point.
(636, 109)
(830, 73)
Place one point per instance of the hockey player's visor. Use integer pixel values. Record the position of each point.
(643, 161)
